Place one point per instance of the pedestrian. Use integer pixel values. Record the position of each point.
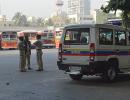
(21, 47)
(39, 52)
(27, 50)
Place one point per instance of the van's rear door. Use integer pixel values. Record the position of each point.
(75, 48)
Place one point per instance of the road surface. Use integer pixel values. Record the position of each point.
(53, 84)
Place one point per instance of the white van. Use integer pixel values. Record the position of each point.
(96, 49)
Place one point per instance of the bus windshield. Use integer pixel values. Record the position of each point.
(5, 37)
(47, 36)
(44, 36)
(9, 36)
(50, 35)
(13, 37)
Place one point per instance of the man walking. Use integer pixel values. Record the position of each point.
(27, 50)
(38, 45)
(22, 61)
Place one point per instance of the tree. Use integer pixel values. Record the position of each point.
(17, 18)
(40, 21)
(123, 5)
(23, 21)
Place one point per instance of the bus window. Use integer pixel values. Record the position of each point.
(33, 35)
(58, 33)
(50, 35)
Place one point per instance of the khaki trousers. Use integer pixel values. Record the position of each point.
(28, 60)
(39, 59)
(22, 62)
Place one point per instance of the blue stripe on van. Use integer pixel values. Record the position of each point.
(97, 52)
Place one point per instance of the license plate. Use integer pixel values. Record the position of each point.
(75, 68)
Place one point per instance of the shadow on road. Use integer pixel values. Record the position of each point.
(122, 81)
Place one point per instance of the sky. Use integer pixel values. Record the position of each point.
(37, 8)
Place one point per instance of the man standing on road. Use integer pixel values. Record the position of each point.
(27, 50)
(21, 47)
(38, 45)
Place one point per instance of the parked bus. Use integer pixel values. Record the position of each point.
(8, 39)
(32, 35)
(48, 39)
(58, 33)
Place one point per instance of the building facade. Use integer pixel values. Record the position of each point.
(100, 17)
(79, 10)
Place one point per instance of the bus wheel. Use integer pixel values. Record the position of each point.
(76, 77)
(1, 48)
(109, 74)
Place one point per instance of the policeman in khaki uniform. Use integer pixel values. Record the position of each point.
(38, 45)
(27, 51)
(21, 47)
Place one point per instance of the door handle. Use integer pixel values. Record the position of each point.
(64, 59)
(117, 50)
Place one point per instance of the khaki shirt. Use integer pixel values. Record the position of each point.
(21, 47)
(38, 44)
(27, 47)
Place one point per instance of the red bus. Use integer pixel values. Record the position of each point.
(47, 37)
(31, 33)
(8, 39)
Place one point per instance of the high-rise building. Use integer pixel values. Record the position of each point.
(59, 4)
(79, 10)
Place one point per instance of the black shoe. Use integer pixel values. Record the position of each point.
(29, 68)
(23, 70)
(39, 70)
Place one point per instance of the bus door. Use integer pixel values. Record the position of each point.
(50, 38)
(44, 38)
(13, 40)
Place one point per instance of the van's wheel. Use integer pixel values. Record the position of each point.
(76, 77)
(109, 74)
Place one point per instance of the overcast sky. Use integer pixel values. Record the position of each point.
(38, 8)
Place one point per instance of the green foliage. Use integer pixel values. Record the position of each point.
(123, 5)
(19, 19)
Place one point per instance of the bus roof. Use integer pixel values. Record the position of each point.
(29, 31)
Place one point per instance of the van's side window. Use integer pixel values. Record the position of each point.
(84, 38)
(129, 38)
(105, 36)
(120, 38)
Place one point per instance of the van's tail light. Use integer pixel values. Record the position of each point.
(92, 51)
(60, 52)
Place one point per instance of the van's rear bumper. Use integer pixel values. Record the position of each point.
(91, 68)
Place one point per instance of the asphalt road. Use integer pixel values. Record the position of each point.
(53, 84)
